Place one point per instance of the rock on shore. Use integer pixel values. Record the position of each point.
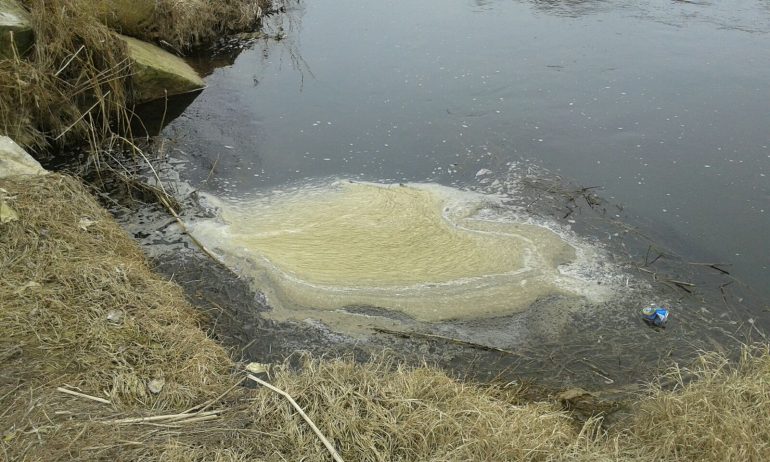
(15, 161)
(15, 29)
(158, 73)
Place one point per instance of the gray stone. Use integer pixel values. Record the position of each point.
(156, 385)
(15, 29)
(14, 160)
(157, 73)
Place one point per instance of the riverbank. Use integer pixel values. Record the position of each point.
(103, 358)
(83, 312)
(72, 70)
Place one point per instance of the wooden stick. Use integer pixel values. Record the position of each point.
(83, 395)
(320, 435)
(163, 200)
(154, 418)
(209, 403)
(194, 419)
(446, 339)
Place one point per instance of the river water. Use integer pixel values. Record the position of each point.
(664, 104)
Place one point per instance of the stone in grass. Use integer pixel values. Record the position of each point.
(157, 73)
(156, 385)
(14, 160)
(15, 29)
(115, 316)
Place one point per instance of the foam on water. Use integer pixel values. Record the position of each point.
(428, 251)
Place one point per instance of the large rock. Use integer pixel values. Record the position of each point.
(14, 160)
(157, 73)
(15, 29)
(131, 17)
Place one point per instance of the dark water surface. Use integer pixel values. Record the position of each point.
(666, 104)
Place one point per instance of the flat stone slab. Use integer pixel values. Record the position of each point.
(158, 73)
(14, 160)
(15, 29)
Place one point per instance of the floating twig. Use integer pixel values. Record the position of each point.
(598, 371)
(296, 406)
(724, 292)
(715, 266)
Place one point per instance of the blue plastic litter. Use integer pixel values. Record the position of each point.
(655, 315)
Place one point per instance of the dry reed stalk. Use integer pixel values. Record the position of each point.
(83, 395)
(165, 417)
(307, 419)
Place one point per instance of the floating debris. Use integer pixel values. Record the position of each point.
(654, 315)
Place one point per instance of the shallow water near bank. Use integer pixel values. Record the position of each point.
(662, 103)
(657, 102)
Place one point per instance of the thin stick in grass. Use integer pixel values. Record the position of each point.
(166, 417)
(81, 117)
(210, 403)
(320, 435)
(83, 395)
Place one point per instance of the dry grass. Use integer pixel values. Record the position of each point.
(187, 23)
(71, 87)
(61, 275)
(723, 414)
(381, 412)
(65, 267)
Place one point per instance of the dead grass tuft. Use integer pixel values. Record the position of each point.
(187, 23)
(722, 414)
(381, 411)
(81, 307)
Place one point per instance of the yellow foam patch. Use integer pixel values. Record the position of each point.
(419, 249)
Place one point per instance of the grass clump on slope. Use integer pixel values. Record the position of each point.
(73, 86)
(721, 413)
(187, 23)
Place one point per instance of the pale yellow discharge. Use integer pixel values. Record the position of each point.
(413, 249)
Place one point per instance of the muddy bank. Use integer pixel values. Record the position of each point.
(98, 351)
(557, 342)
